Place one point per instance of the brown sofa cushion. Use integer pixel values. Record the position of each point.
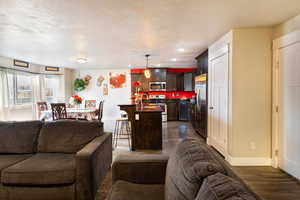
(7, 160)
(123, 190)
(67, 136)
(62, 192)
(188, 166)
(221, 187)
(2, 193)
(19, 137)
(41, 169)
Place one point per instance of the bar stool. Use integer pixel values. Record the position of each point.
(122, 131)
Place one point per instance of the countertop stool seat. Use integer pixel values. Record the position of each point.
(122, 131)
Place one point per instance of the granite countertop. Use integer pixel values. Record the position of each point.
(149, 108)
(145, 108)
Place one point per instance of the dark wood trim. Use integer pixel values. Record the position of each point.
(20, 63)
(51, 69)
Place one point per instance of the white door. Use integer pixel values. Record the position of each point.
(218, 106)
(289, 108)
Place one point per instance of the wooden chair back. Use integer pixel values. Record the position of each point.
(90, 103)
(100, 114)
(59, 111)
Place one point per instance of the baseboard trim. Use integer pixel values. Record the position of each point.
(249, 161)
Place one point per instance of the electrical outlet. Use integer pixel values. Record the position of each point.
(252, 145)
(137, 117)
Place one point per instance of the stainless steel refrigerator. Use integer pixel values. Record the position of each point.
(200, 122)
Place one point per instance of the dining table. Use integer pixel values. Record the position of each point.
(88, 113)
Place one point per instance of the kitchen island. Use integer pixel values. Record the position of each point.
(146, 126)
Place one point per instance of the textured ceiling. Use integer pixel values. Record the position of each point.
(116, 33)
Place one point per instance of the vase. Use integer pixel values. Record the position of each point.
(77, 106)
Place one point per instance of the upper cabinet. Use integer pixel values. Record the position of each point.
(176, 79)
(188, 81)
(171, 82)
(182, 81)
(158, 75)
(202, 63)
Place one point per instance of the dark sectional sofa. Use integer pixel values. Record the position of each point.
(193, 172)
(61, 160)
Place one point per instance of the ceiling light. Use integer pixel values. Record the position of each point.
(147, 72)
(181, 49)
(174, 59)
(82, 60)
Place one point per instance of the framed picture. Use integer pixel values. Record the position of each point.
(117, 80)
(105, 89)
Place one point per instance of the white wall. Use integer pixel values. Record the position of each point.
(249, 126)
(115, 96)
(286, 27)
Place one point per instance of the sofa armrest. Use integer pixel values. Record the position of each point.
(92, 164)
(141, 169)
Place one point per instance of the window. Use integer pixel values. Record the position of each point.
(20, 88)
(52, 88)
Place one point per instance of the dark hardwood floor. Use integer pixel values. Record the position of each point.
(269, 183)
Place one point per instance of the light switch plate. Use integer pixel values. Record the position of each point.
(137, 117)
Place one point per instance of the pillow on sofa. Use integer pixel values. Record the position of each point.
(187, 167)
(221, 187)
(67, 136)
(19, 137)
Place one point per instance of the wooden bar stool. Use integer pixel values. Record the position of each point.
(122, 131)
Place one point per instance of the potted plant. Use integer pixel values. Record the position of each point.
(79, 85)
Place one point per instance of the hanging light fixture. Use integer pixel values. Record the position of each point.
(147, 72)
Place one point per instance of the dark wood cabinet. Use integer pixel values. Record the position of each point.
(158, 75)
(143, 134)
(183, 110)
(188, 82)
(146, 135)
(180, 82)
(172, 110)
(171, 82)
(184, 82)
(202, 63)
(175, 81)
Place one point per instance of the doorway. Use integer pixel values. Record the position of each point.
(286, 102)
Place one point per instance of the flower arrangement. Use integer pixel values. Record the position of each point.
(75, 100)
(137, 85)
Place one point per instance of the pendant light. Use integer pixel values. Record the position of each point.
(147, 72)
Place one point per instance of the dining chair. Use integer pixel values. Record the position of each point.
(100, 114)
(59, 111)
(90, 103)
(41, 106)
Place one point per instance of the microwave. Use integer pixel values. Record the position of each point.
(158, 86)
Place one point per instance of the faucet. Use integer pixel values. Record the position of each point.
(144, 94)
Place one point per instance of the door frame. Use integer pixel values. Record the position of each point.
(282, 42)
(225, 49)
